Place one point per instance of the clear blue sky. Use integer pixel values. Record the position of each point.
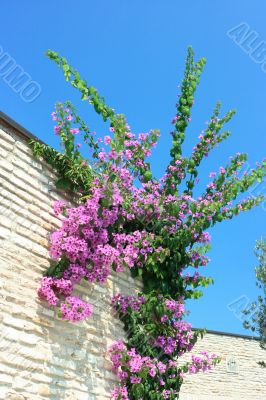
(133, 52)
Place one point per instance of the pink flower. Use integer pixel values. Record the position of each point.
(54, 117)
(59, 206)
(164, 318)
(112, 155)
(57, 129)
(74, 309)
(102, 155)
(74, 131)
(107, 139)
(128, 154)
(134, 380)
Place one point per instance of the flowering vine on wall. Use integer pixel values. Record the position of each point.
(127, 219)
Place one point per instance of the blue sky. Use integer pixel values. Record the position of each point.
(134, 53)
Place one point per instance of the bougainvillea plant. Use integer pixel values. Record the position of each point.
(128, 219)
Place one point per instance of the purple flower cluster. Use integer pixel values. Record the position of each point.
(91, 247)
(178, 309)
(120, 393)
(131, 366)
(179, 339)
(203, 363)
(59, 206)
(85, 239)
(136, 148)
(74, 309)
(52, 288)
(123, 303)
(56, 291)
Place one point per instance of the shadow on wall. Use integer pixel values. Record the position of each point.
(78, 366)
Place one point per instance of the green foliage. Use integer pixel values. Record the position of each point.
(73, 175)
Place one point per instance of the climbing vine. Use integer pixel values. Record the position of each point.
(128, 219)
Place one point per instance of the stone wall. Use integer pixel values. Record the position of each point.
(237, 377)
(42, 357)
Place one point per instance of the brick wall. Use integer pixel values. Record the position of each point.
(42, 357)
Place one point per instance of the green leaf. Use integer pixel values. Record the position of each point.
(63, 183)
